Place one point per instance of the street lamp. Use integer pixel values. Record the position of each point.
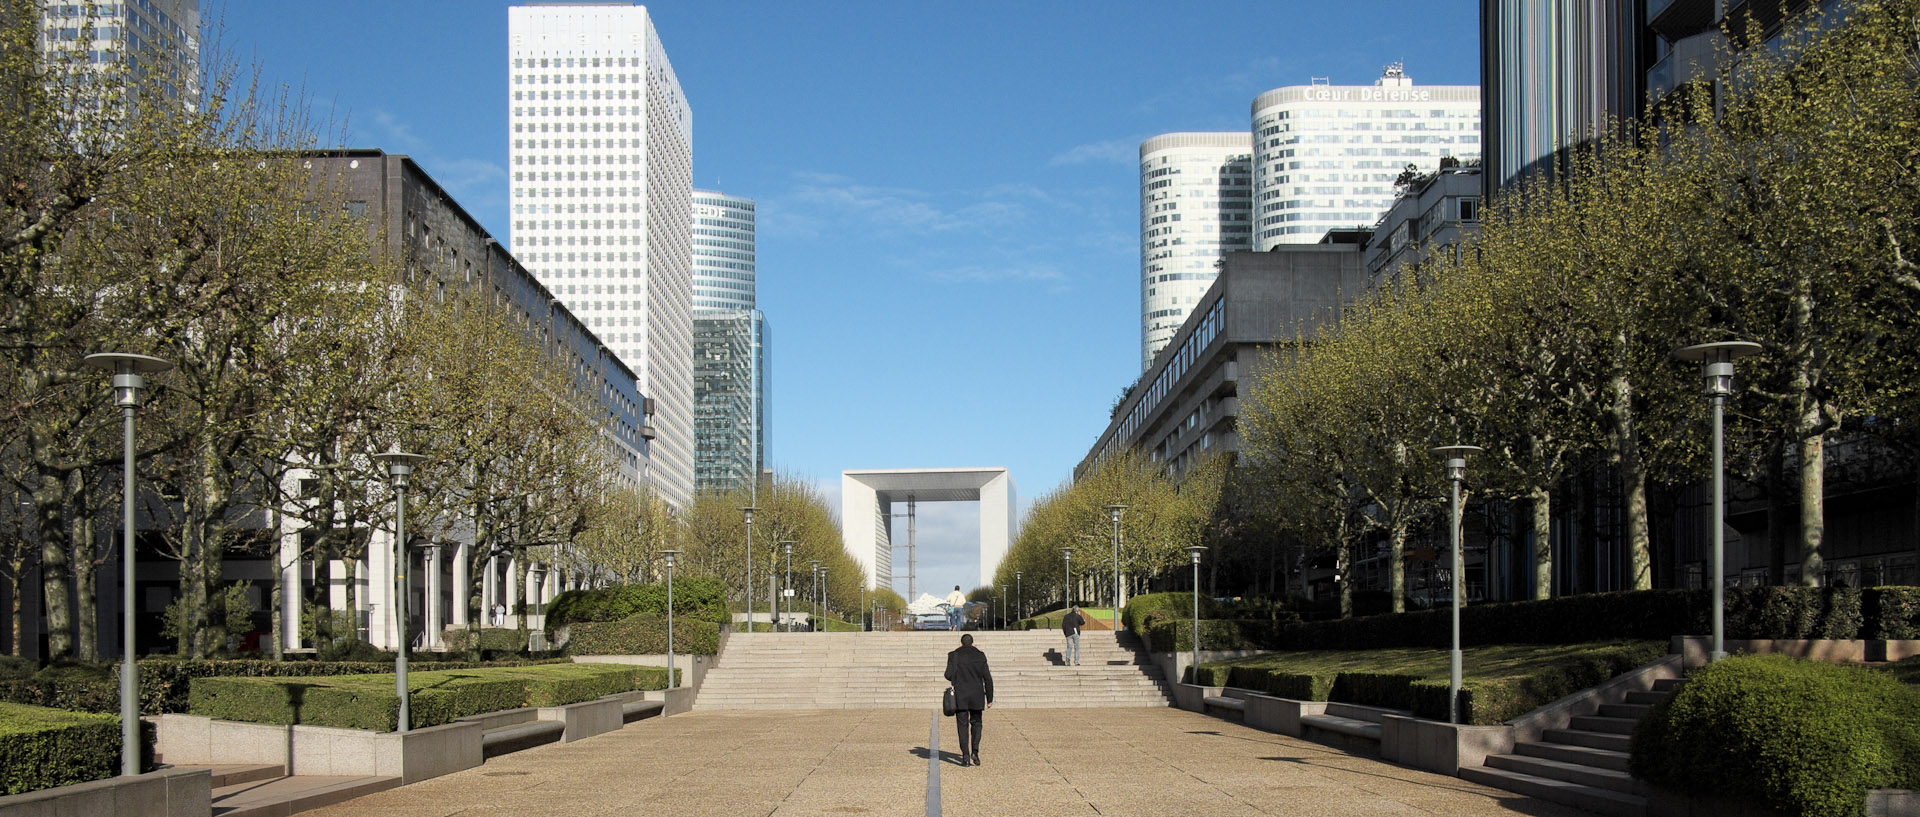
(825, 608)
(1716, 365)
(1019, 610)
(1456, 467)
(672, 680)
(788, 547)
(399, 466)
(748, 511)
(1003, 607)
(1195, 551)
(1113, 511)
(1066, 587)
(814, 590)
(127, 383)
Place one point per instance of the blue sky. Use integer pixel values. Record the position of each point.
(947, 192)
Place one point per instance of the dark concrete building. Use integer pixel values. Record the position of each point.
(1187, 404)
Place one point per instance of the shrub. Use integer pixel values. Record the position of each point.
(41, 748)
(1800, 736)
(695, 598)
(643, 634)
(1891, 612)
(1144, 611)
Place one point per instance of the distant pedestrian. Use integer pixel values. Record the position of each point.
(956, 608)
(499, 615)
(972, 695)
(1071, 625)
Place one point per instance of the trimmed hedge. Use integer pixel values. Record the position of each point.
(643, 634)
(1760, 612)
(1176, 635)
(1486, 702)
(694, 598)
(1804, 737)
(488, 639)
(1891, 612)
(41, 748)
(437, 697)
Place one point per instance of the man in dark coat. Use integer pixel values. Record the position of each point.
(972, 694)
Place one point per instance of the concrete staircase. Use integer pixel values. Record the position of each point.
(903, 670)
(1584, 765)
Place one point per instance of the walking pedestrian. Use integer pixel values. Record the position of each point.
(956, 608)
(972, 695)
(1071, 624)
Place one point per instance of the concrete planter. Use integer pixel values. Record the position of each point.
(1441, 747)
(693, 668)
(1193, 698)
(1281, 715)
(412, 756)
(165, 793)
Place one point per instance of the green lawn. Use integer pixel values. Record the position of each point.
(1477, 663)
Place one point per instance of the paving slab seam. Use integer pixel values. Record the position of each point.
(1145, 752)
(1056, 769)
(933, 765)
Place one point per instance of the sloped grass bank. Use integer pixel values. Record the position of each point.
(437, 697)
(1499, 682)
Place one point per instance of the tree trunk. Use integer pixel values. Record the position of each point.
(1813, 464)
(1397, 565)
(1586, 562)
(1540, 503)
(1633, 480)
(1780, 514)
(520, 581)
(1343, 568)
(54, 580)
(86, 587)
(13, 588)
(279, 593)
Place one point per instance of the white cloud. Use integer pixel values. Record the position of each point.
(1109, 151)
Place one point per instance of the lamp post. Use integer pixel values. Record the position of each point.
(1003, 607)
(1716, 365)
(825, 608)
(748, 511)
(788, 547)
(400, 466)
(1066, 576)
(128, 381)
(672, 680)
(814, 591)
(1113, 512)
(1019, 611)
(1194, 551)
(1456, 468)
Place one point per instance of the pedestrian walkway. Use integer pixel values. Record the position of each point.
(1043, 762)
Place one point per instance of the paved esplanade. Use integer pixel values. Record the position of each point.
(1040, 762)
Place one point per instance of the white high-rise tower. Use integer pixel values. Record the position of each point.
(1326, 156)
(601, 147)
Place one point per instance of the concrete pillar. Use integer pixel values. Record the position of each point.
(378, 591)
(291, 591)
(512, 601)
(436, 587)
(462, 585)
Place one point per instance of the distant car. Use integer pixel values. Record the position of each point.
(931, 621)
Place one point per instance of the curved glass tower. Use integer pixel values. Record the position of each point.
(731, 345)
(1195, 207)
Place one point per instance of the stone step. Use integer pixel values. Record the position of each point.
(290, 795)
(1604, 723)
(1647, 698)
(1585, 775)
(1629, 711)
(1587, 755)
(1589, 798)
(1669, 684)
(1591, 740)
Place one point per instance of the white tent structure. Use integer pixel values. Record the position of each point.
(927, 604)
